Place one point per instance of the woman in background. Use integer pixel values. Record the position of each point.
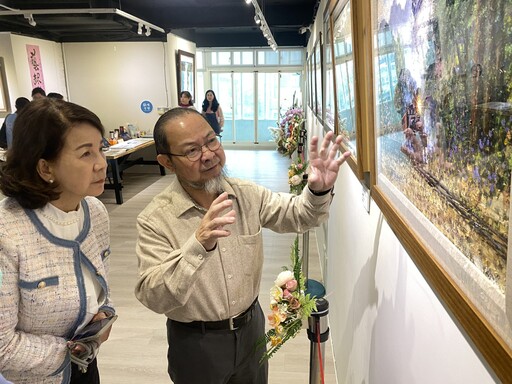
(213, 112)
(186, 100)
(54, 244)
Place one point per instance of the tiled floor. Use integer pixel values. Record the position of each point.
(137, 348)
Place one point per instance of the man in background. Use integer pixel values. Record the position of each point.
(7, 126)
(37, 93)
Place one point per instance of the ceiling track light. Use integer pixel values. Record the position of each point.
(139, 29)
(259, 18)
(29, 15)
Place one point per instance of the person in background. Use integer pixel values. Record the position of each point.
(213, 112)
(186, 100)
(200, 249)
(54, 243)
(7, 126)
(38, 93)
(55, 95)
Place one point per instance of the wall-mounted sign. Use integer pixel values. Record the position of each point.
(35, 65)
(146, 106)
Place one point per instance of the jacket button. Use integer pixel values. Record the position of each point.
(42, 284)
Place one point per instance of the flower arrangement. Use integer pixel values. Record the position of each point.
(297, 177)
(287, 133)
(290, 306)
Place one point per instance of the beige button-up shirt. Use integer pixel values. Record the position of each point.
(178, 277)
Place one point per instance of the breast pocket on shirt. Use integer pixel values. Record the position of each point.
(251, 252)
(37, 294)
(39, 290)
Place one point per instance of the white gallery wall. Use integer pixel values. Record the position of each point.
(13, 50)
(387, 325)
(113, 79)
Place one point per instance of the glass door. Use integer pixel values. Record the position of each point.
(243, 92)
(223, 88)
(253, 101)
(268, 105)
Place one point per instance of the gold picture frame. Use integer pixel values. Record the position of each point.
(439, 174)
(318, 74)
(352, 88)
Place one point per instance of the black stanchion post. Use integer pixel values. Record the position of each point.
(318, 334)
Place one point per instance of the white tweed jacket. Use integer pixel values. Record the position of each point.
(42, 297)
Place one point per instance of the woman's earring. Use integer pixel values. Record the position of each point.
(50, 181)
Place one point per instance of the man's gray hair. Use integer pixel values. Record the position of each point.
(159, 134)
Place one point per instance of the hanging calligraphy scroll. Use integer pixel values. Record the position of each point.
(35, 65)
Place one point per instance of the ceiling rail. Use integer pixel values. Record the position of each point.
(28, 14)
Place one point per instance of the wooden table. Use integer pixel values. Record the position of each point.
(118, 159)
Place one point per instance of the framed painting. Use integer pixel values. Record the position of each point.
(318, 65)
(5, 107)
(310, 82)
(443, 139)
(351, 82)
(330, 81)
(186, 70)
(314, 99)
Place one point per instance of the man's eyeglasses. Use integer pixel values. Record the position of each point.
(194, 153)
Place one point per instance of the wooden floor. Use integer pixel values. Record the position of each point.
(137, 348)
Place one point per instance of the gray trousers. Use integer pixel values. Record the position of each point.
(217, 356)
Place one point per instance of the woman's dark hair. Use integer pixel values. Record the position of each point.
(39, 132)
(187, 94)
(160, 135)
(206, 103)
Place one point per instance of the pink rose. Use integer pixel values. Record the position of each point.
(287, 295)
(291, 285)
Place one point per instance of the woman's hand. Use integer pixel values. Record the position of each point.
(77, 349)
(100, 316)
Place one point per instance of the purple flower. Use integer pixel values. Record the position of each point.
(476, 173)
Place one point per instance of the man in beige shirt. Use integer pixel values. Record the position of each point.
(200, 249)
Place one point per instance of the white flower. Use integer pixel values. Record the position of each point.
(276, 293)
(295, 180)
(283, 278)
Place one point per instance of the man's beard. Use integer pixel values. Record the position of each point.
(212, 186)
